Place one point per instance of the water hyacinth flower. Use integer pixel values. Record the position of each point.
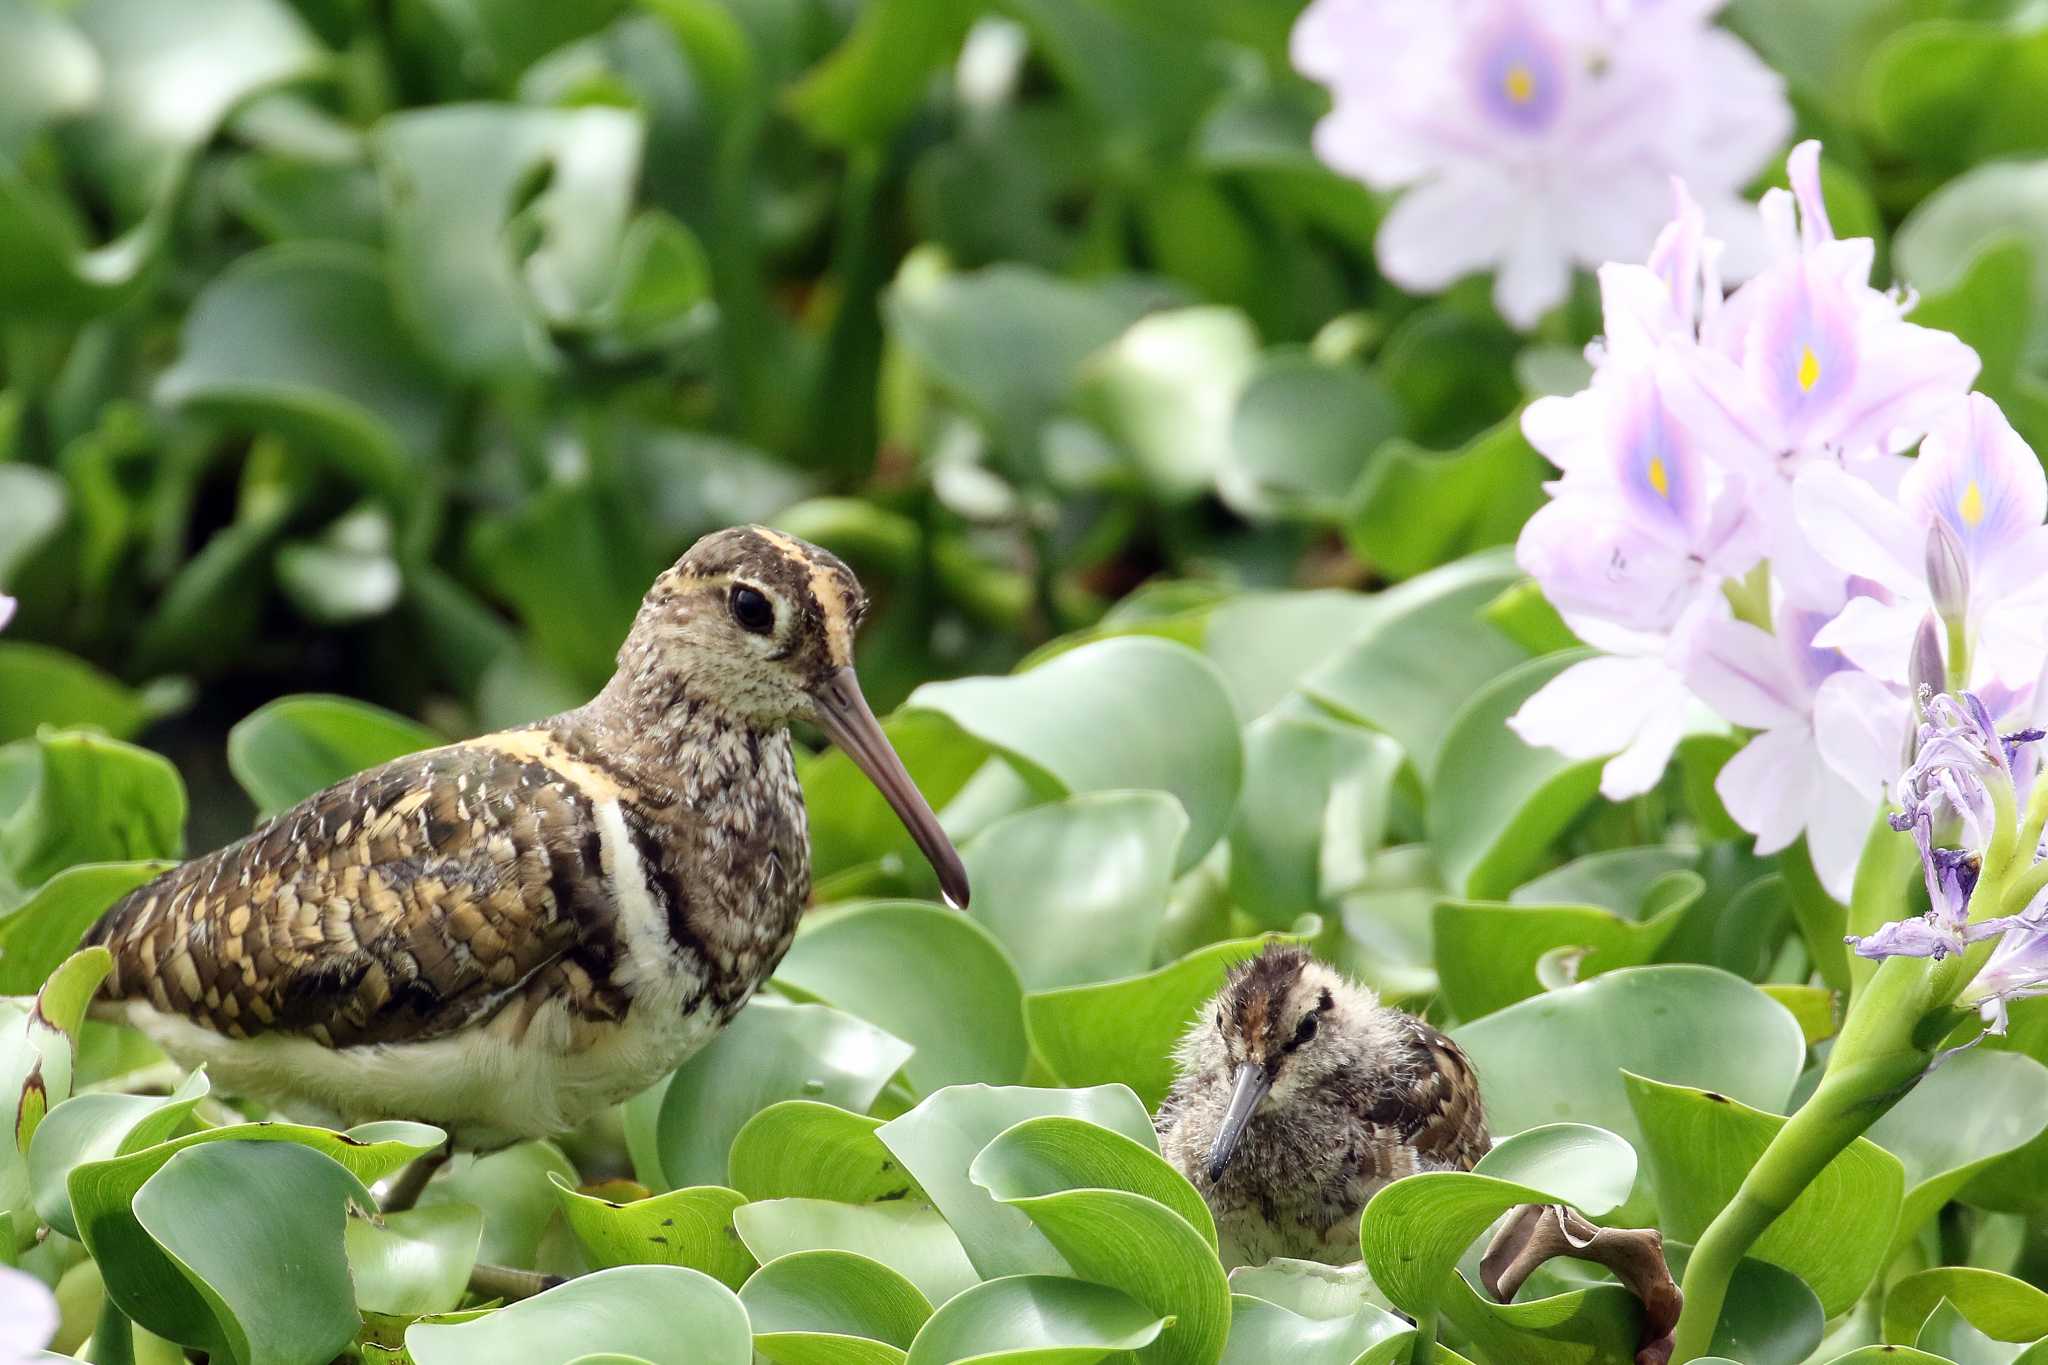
(28, 1316)
(1532, 138)
(7, 605)
(2016, 970)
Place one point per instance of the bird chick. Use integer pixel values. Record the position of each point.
(504, 935)
(1299, 1096)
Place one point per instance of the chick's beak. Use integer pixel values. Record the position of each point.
(844, 715)
(1250, 1086)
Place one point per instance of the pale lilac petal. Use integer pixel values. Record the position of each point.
(1861, 727)
(1836, 829)
(1440, 232)
(1802, 167)
(1632, 708)
(1570, 432)
(1875, 636)
(1907, 377)
(1856, 529)
(1975, 473)
(1742, 673)
(28, 1315)
(1769, 786)
(7, 606)
(1534, 275)
(1641, 765)
(1592, 558)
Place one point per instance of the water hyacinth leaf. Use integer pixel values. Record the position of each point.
(626, 1310)
(1427, 648)
(1498, 802)
(98, 1127)
(906, 1235)
(1699, 1144)
(1316, 796)
(1076, 890)
(1944, 1133)
(1416, 508)
(42, 686)
(1008, 342)
(1265, 643)
(285, 751)
(1876, 1355)
(833, 1308)
(1124, 1032)
(1487, 951)
(918, 971)
(1943, 237)
(513, 1187)
(33, 502)
(1940, 92)
(1817, 1008)
(1091, 719)
(1578, 1327)
(96, 800)
(1414, 1231)
(47, 71)
(346, 575)
(1771, 1317)
(38, 1055)
(1300, 438)
(690, 1227)
(938, 1141)
(1120, 1216)
(773, 1050)
(1166, 391)
(255, 1230)
(416, 1262)
(1561, 1055)
(1310, 1288)
(800, 1149)
(1034, 1320)
(38, 936)
(1950, 1336)
(1618, 880)
(451, 176)
(2001, 1307)
(1261, 1331)
(301, 339)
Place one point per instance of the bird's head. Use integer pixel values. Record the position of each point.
(1282, 1025)
(760, 625)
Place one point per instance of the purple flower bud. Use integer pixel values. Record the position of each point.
(1948, 572)
(1926, 674)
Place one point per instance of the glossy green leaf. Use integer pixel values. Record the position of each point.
(96, 800)
(833, 1308)
(1950, 1336)
(1487, 951)
(98, 1127)
(1034, 1320)
(1417, 508)
(689, 1227)
(1498, 802)
(2001, 1307)
(302, 339)
(627, 1310)
(1315, 804)
(1428, 648)
(1769, 1318)
(41, 686)
(1938, 244)
(514, 1189)
(938, 1141)
(1091, 720)
(1123, 1032)
(1587, 1326)
(906, 1235)
(255, 1231)
(1167, 391)
(1561, 1055)
(1057, 1154)
(1943, 92)
(1699, 1144)
(1301, 436)
(1944, 1132)
(1266, 643)
(1261, 1332)
(773, 1050)
(416, 1262)
(285, 752)
(39, 935)
(918, 971)
(800, 1149)
(852, 824)
(1075, 890)
(47, 71)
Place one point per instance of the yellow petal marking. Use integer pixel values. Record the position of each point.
(1660, 477)
(1971, 506)
(1521, 86)
(1809, 370)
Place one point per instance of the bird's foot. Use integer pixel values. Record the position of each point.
(1535, 1233)
(405, 1191)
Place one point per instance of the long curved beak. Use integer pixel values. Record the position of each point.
(844, 715)
(1250, 1087)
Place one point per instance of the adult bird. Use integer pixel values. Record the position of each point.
(1299, 1096)
(507, 934)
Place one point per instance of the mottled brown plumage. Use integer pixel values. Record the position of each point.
(504, 934)
(1300, 1095)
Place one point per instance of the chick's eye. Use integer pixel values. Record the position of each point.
(1303, 1034)
(752, 610)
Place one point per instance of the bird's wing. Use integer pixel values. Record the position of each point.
(1432, 1103)
(398, 905)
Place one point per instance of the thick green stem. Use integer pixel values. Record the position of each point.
(1882, 876)
(113, 1338)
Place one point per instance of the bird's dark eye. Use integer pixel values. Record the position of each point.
(752, 610)
(1303, 1034)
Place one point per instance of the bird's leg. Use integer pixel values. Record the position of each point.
(504, 1282)
(412, 1181)
(1536, 1233)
